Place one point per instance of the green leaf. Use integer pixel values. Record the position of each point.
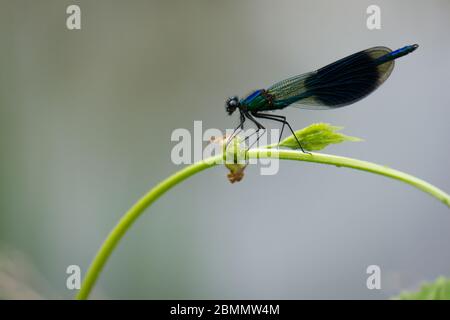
(438, 290)
(316, 137)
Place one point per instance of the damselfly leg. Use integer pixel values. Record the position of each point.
(281, 119)
(236, 131)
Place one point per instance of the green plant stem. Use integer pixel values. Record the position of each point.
(127, 220)
(131, 215)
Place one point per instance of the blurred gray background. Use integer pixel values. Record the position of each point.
(85, 124)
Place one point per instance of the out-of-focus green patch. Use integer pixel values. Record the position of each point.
(316, 137)
(438, 290)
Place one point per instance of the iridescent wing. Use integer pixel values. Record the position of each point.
(336, 85)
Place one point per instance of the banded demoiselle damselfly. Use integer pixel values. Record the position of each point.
(336, 85)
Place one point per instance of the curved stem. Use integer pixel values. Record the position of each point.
(131, 215)
(127, 220)
(356, 164)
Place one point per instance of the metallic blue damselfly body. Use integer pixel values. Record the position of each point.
(336, 85)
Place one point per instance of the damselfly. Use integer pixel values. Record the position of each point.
(336, 85)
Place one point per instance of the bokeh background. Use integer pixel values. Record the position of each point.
(85, 124)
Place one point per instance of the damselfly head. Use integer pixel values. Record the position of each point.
(232, 104)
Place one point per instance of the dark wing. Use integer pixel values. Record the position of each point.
(336, 85)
